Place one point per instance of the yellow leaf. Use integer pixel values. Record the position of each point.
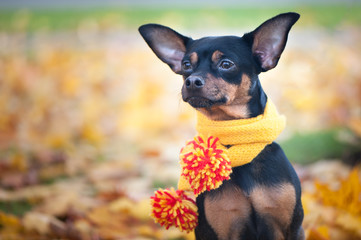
(8, 220)
(139, 210)
(148, 231)
(355, 125)
(121, 205)
(57, 140)
(70, 85)
(345, 202)
(346, 197)
(307, 200)
(92, 134)
(109, 225)
(19, 162)
(317, 233)
(323, 231)
(190, 236)
(349, 222)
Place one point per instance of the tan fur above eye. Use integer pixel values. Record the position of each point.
(216, 56)
(194, 58)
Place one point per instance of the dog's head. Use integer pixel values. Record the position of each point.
(220, 73)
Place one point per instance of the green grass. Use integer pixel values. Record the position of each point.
(17, 208)
(194, 18)
(310, 147)
(161, 184)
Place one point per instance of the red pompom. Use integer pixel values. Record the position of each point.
(204, 165)
(174, 208)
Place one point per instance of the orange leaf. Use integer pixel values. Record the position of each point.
(346, 197)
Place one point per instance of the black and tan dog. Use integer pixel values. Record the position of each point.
(262, 200)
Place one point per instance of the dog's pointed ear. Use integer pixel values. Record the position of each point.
(167, 44)
(269, 40)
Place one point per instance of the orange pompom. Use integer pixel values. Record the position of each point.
(204, 165)
(174, 208)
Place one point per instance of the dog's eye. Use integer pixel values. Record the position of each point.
(186, 65)
(226, 64)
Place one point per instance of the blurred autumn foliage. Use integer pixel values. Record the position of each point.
(91, 123)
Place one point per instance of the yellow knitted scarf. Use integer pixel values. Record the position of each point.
(245, 138)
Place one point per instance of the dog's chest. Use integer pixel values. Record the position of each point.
(229, 210)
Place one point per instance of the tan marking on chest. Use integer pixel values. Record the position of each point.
(227, 212)
(276, 205)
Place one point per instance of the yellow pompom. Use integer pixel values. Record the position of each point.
(174, 208)
(204, 165)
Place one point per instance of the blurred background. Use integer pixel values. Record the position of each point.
(91, 122)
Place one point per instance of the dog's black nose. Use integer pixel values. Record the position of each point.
(194, 82)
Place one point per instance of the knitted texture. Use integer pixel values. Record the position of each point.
(245, 138)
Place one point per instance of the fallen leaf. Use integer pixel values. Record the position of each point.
(355, 125)
(346, 196)
(140, 210)
(40, 223)
(9, 221)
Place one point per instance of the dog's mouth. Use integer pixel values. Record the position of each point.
(202, 102)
